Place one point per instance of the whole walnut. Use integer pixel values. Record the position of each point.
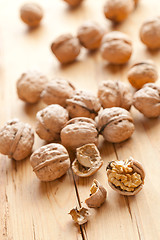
(30, 86)
(90, 35)
(79, 131)
(83, 104)
(31, 14)
(16, 139)
(116, 47)
(57, 91)
(147, 100)
(150, 34)
(118, 10)
(114, 94)
(141, 73)
(50, 121)
(50, 162)
(115, 124)
(66, 48)
(73, 3)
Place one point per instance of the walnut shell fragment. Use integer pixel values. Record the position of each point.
(98, 195)
(80, 215)
(126, 176)
(73, 3)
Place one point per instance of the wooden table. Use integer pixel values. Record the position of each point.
(30, 209)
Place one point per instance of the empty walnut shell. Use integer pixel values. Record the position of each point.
(16, 139)
(115, 124)
(73, 3)
(50, 162)
(114, 94)
(147, 100)
(116, 47)
(83, 104)
(66, 48)
(80, 215)
(142, 73)
(50, 121)
(79, 131)
(126, 176)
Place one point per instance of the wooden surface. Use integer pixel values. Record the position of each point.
(31, 210)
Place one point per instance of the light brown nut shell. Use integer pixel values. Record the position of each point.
(83, 104)
(147, 100)
(16, 139)
(116, 47)
(50, 121)
(115, 124)
(73, 3)
(141, 73)
(66, 48)
(31, 14)
(80, 215)
(50, 162)
(114, 94)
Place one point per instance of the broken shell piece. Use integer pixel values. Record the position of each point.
(126, 176)
(97, 196)
(80, 216)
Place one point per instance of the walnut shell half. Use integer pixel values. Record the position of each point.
(80, 215)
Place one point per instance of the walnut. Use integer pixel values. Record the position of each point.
(83, 104)
(57, 91)
(73, 3)
(50, 121)
(147, 100)
(90, 35)
(16, 139)
(50, 162)
(31, 14)
(80, 215)
(150, 34)
(141, 73)
(118, 10)
(88, 160)
(30, 86)
(114, 94)
(126, 176)
(79, 131)
(97, 196)
(115, 124)
(116, 47)
(66, 48)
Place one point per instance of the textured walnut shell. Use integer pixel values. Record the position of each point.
(90, 35)
(16, 139)
(50, 121)
(79, 131)
(31, 14)
(50, 162)
(80, 215)
(83, 104)
(30, 86)
(147, 100)
(98, 195)
(150, 34)
(57, 91)
(142, 73)
(114, 94)
(73, 3)
(118, 10)
(115, 124)
(116, 47)
(66, 48)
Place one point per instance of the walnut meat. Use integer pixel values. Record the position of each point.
(142, 73)
(31, 14)
(150, 34)
(115, 124)
(147, 100)
(83, 104)
(116, 47)
(50, 121)
(50, 162)
(80, 215)
(57, 91)
(126, 176)
(79, 131)
(73, 3)
(30, 86)
(16, 139)
(66, 48)
(114, 94)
